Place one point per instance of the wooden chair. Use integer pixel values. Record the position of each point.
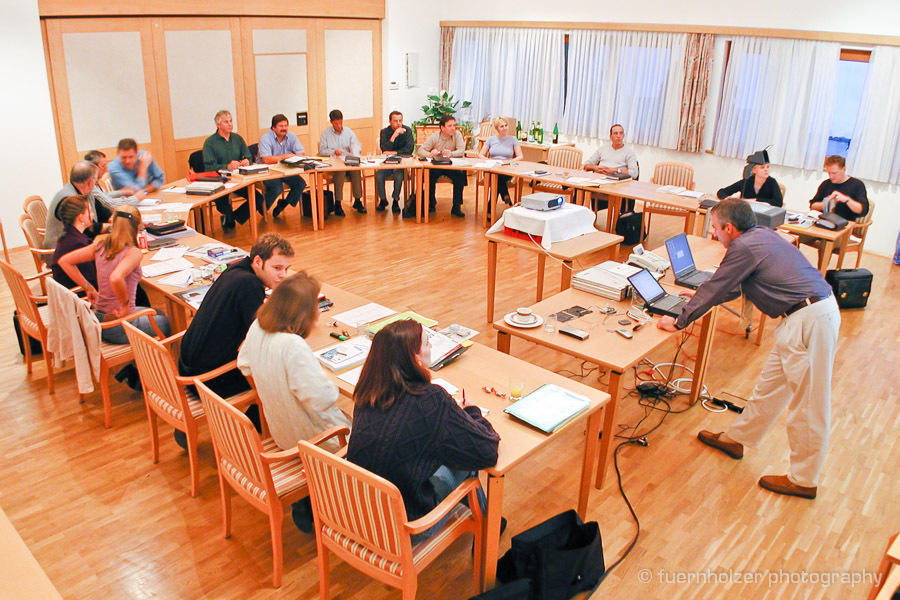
(566, 157)
(35, 239)
(165, 395)
(33, 318)
(34, 207)
(857, 238)
(257, 469)
(105, 183)
(361, 518)
(668, 173)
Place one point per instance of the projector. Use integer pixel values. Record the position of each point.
(766, 214)
(542, 201)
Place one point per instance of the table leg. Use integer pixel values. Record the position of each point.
(565, 279)
(825, 255)
(612, 212)
(313, 201)
(542, 263)
(690, 222)
(609, 423)
(491, 547)
(492, 278)
(588, 462)
(490, 185)
(320, 198)
(419, 177)
(251, 203)
(503, 341)
(426, 188)
(707, 331)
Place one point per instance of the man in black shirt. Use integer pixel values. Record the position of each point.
(840, 193)
(228, 310)
(394, 139)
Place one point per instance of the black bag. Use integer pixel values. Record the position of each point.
(517, 590)
(831, 221)
(562, 556)
(629, 227)
(441, 160)
(851, 286)
(328, 199)
(36, 348)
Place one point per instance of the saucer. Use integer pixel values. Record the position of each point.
(537, 321)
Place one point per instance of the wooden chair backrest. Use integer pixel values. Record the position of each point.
(487, 130)
(34, 237)
(29, 317)
(237, 445)
(157, 369)
(358, 504)
(105, 183)
(674, 173)
(35, 208)
(566, 157)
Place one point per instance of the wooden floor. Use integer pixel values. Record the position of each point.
(104, 522)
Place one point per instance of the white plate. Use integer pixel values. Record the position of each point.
(538, 321)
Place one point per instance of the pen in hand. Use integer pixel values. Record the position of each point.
(464, 397)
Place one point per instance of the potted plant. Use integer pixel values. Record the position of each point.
(437, 105)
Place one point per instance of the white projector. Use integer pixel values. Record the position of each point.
(542, 201)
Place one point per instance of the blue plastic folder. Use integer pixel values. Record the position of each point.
(549, 407)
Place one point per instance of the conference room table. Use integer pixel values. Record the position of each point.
(608, 349)
(828, 239)
(479, 367)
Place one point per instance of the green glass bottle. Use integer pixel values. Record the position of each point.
(518, 129)
(556, 133)
(539, 133)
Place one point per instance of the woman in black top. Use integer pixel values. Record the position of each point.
(759, 186)
(76, 219)
(411, 431)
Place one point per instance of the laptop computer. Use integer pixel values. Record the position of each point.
(657, 300)
(686, 273)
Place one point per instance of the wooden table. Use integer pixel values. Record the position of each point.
(605, 348)
(483, 366)
(830, 239)
(649, 192)
(566, 252)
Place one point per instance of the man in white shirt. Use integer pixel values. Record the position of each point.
(617, 158)
(340, 141)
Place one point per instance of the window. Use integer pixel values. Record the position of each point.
(852, 70)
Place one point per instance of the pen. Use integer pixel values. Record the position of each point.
(338, 336)
(464, 397)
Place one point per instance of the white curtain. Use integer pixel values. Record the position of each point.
(875, 146)
(510, 72)
(780, 93)
(630, 77)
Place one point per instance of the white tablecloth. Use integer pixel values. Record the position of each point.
(564, 223)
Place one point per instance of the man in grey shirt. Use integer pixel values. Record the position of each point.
(617, 158)
(340, 141)
(779, 280)
(82, 179)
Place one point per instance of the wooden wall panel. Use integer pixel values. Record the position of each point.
(359, 9)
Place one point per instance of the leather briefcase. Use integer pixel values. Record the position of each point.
(831, 221)
(441, 160)
(851, 286)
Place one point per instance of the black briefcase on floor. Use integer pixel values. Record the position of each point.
(629, 227)
(851, 286)
(328, 199)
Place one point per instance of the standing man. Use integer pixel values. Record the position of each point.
(340, 141)
(774, 276)
(227, 150)
(134, 170)
(447, 142)
(616, 158)
(82, 180)
(275, 145)
(841, 193)
(394, 139)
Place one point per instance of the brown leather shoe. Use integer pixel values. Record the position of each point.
(732, 449)
(780, 484)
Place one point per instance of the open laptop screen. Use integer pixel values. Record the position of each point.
(679, 253)
(646, 285)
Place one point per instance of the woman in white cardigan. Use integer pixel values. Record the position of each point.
(298, 399)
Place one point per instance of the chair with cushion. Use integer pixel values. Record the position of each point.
(165, 395)
(33, 317)
(668, 173)
(257, 469)
(361, 518)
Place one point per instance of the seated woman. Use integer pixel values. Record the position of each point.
(118, 262)
(75, 215)
(759, 186)
(298, 399)
(411, 431)
(502, 147)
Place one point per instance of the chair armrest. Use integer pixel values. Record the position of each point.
(135, 315)
(39, 275)
(172, 338)
(229, 366)
(41, 251)
(340, 431)
(270, 457)
(469, 486)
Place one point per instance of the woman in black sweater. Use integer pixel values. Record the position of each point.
(759, 186)
(411, 431)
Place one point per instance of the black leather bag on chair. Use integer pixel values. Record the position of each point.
(562, 556)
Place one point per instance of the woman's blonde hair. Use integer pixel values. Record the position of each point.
(126, 222)
(497, 120)
(292, 307)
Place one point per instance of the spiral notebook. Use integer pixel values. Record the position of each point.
(549, 407)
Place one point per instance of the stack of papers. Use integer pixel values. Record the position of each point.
(549, 407)
(671, 189)
(346, 354)
(608, 279)
(409, 314)
(167, 266)
(691, 194)
(363, 314)
(178, 279)
(194, 296)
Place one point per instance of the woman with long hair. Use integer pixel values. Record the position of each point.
(411, 431)
(298, 399)
(76, 218)
(118, 263)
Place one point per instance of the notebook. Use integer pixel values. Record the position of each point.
(658, 301)
(686, 273)
(346, 354)
(549, 407)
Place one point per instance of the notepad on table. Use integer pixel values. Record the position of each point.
(346, 354)
(548, 407)
(409, 314)
(167, 266)
(363, 314)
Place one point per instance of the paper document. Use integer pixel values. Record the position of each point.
(230, 185)
(351, 376)
(148, 202)
(346, 354)
(167, 266)
(451, 389)
(671, 189)
(409, 314)
(176, 206)
(486, 164)
(169, 253)
(194, 296)
(178, 279)
(458, 333)
(150, 219)
(548, 407)
(364, 314)
(691, 194)
(175, 190)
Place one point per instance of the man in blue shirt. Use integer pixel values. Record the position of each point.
(275, 145)
(134, 170)
(341, 141)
